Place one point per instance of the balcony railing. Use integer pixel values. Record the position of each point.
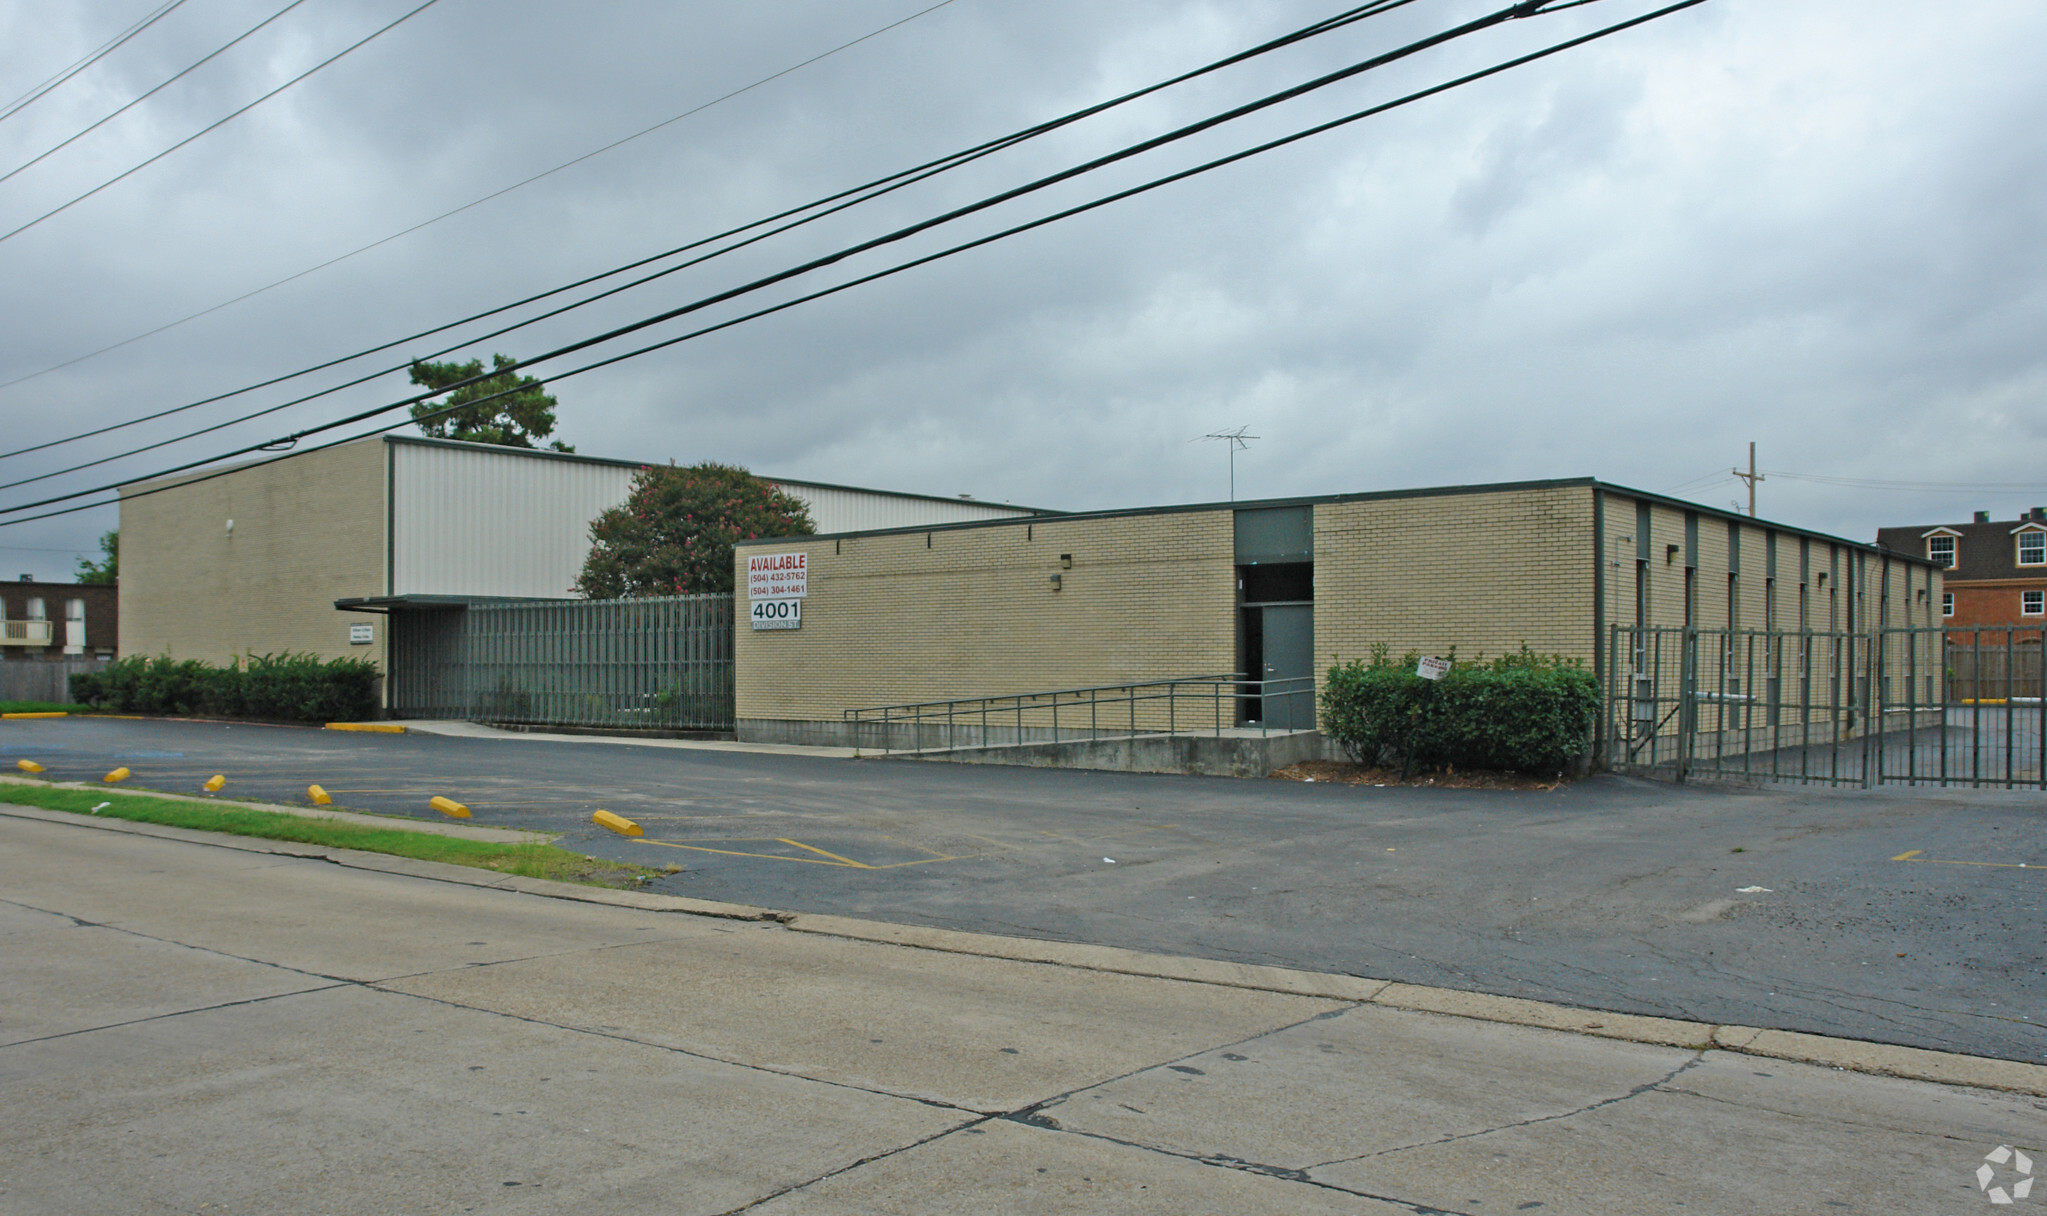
(24, 633)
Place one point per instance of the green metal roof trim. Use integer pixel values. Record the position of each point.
(386, 603)
(1501, 487)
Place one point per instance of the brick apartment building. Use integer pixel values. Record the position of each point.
(1996, 569)
(58, 620)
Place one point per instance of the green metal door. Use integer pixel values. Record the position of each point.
(1289, 662)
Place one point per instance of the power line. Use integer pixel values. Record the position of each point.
(1181, 175)
(471, 203)
(293, 439)
(219, 123)
(856, 195)
(1525, 8)
(106, 48)
(1870, 483)
(52, 150)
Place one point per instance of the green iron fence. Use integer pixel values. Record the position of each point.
(1909, 706)
(663, 663)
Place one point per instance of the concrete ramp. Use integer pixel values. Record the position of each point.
(1230, 754)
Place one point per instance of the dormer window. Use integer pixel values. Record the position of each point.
(2033, 547)
(1940, 550)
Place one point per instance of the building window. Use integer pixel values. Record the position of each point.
(1940, 550)
(2033, 603)
(2033, 548)
(1947, 603)
(74, 626)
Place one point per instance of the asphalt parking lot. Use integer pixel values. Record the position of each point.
(1901, 916)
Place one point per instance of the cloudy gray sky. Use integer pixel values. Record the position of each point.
(1805, 223)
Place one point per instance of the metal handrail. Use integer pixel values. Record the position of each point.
(984, 714)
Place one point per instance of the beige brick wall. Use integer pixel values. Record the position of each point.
(1912, 597)
(1666, 575)
(971, 612)
(890, 619)
(1482, 572)
(306, 532)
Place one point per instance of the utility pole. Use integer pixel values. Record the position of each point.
(1751, 477)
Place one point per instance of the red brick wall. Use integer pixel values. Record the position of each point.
(1994, 603)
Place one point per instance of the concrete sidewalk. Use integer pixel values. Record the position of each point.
(210, 1024)
(453, 729)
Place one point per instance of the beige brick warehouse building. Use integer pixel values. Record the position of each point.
(252, 559)
(1283, 588)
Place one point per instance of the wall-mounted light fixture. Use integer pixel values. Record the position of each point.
(1066, 561)
(1055, 582)
(1669, 554)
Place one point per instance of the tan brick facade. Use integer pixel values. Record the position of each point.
(972, 612)
(969, 612)
(1482, 573)
(306, 532)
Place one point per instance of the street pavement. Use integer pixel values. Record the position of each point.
(1899, 916)
(225, 1027)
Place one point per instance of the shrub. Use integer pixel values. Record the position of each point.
(278, 687)
(1523, 712)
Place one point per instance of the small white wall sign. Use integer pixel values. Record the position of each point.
(777, 614)
(362, 635)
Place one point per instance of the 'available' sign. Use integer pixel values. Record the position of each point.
(771, 576)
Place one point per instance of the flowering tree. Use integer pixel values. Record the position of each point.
(674, 534)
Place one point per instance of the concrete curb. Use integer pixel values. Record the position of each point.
(386, 863)
(1853, 1055)
(462, 831)
(477, 730)
(1629, 1027)
(1096, 958)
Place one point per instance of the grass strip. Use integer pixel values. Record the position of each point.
(531, 859)
(39, 707)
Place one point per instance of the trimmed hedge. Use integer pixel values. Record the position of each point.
(282, 687)
(1522, 712)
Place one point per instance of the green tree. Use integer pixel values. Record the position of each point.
(524, 414)
(674, 533)
(106, 570)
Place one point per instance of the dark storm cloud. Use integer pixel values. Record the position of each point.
(1805, 224)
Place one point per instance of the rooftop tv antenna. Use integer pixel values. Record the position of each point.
(1237, 441)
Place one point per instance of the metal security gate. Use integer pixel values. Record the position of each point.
(661, 663)
(1918, 706)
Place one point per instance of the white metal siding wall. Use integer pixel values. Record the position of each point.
(470, 522)
(836, 510)
(478, 523)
